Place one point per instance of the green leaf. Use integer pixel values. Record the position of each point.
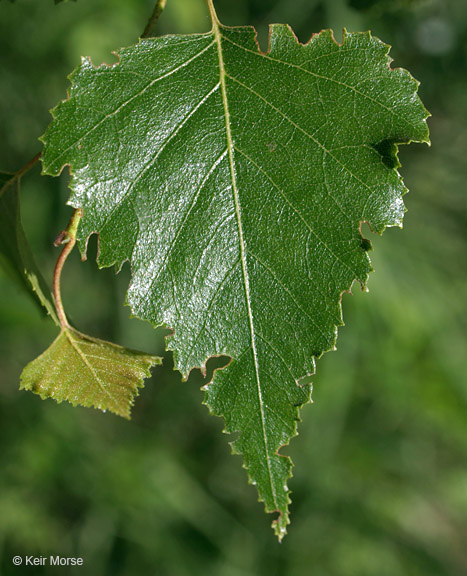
(235, 182)
(15, 254)
(89, 372)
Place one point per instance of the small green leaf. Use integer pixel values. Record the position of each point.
(89, 372)
(15, 253)
(236, 182)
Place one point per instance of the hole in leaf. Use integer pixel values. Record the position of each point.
(388, 149)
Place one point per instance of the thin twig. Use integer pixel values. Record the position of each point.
(148, 31)
(67, 237)
(29, 165)
(17, 175)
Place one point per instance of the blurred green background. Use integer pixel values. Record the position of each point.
(380, 484)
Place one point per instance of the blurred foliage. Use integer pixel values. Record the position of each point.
(380, 485)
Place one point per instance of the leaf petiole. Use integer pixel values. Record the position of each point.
(212, 13)
(29, 165)
(17, 175)
(68, 238)
(159, 7)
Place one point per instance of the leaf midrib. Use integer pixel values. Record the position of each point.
(246, 284)
(88, 364)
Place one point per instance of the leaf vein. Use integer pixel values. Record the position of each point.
(130, 99)
(211, 304)
(322, 77)
(292, 297)
(89, 366)
(246, 285)
(154, 158)
(320, 240)
(185, 218)
(298, 127)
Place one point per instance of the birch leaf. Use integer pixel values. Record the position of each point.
(88, 372)
(235, 183)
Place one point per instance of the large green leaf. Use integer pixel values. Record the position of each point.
(235, 182)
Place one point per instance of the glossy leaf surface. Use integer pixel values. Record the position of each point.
(235, 183)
